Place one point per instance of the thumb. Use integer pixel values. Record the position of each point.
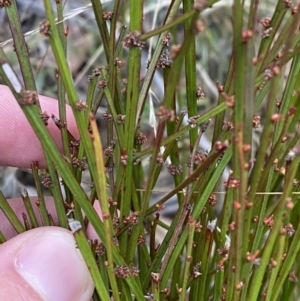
(43, 264)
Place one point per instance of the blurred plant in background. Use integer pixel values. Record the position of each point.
(192, 150)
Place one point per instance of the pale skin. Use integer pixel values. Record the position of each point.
(41, 264)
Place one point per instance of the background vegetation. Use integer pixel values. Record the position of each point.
(198, 102)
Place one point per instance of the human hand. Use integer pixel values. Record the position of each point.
(42, 264)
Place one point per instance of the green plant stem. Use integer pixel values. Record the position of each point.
(197, 255)
(258, 274)
(264, 144)
(282, 39)
(61, 90)
(41, 199)
(205, 263)
(28, 207)
(132, 94)
(188, 258)
(275, 24)
(190, 73)
(147, 194)
(255, 176)
(257, 239)
(110, 101)
(26, 222)
(86, 252)
(152, 66)
(61, 95)
(58, 199)
(103, 270)
(276, 151)
(220, 117)
(286, 267)
(153, 227)
(155, 287)
(97, 101)
(170, 103)
(20, 45)
(219, 280)
(113, 87)
(11, 216)
(98, 151)
(166, 153)
(121, 37)
(240, 125)
(2, 238)
(93, 81)
(287, 96)
(176, 280)
(174, 257)
(274, 275)
(185, 17)
(102, 27)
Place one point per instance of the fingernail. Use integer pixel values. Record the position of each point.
(54, 267)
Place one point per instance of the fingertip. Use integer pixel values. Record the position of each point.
(49, 263)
